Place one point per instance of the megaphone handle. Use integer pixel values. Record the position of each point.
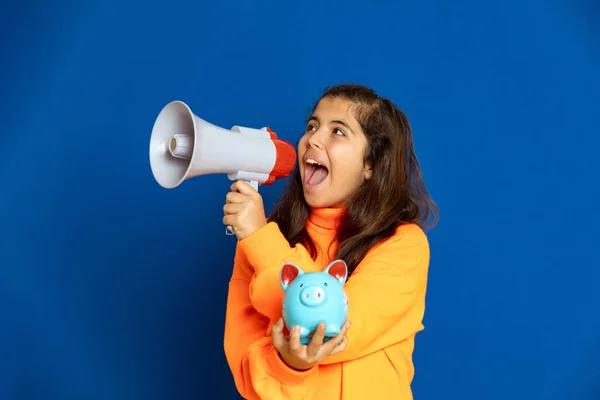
(229, 229)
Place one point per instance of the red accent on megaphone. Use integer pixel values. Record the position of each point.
(273, 134)
(285, 159)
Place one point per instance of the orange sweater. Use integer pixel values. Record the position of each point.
(386, 296)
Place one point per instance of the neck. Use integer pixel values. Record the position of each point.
(326, 218)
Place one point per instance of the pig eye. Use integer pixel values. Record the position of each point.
(325, 284)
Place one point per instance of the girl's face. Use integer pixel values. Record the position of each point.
(331, 154)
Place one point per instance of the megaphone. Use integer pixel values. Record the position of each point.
(183, 146)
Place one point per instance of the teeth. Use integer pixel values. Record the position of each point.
(310, 161)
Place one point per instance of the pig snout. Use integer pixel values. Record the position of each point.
(312, 296)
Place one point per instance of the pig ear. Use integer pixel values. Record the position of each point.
(288, 273)
(339, 270)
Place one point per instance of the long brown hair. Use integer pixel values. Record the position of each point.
(394, 195)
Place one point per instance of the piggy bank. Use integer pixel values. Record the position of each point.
(314, 297)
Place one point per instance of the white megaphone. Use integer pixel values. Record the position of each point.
(183, 146)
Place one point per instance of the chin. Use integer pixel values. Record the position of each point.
(314, 201)
(317, 200)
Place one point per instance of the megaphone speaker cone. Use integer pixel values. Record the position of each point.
(172, 144)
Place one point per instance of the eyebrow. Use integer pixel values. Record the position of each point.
(335, 121)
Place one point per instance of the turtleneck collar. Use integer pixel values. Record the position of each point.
(326, 218)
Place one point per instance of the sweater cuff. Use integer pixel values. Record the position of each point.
(266, 247)
(284, 372)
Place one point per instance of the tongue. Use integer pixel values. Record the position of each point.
(318, 176)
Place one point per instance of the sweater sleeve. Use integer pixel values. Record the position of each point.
(267, 250)
(386, 291)
(257, 369)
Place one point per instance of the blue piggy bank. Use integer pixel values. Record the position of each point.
(314, 297)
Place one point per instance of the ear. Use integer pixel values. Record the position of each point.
(339, 270)
(288, 273)
(368, 171)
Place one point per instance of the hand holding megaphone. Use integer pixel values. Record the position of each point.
(184, 146)
(244, 209)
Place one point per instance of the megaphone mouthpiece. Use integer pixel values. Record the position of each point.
(182, 146)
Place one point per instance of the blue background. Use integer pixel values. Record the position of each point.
(112, 287)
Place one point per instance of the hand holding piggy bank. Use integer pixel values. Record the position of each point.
(314, 297)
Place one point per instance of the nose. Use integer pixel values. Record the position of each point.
(312, 296)
(316, 139)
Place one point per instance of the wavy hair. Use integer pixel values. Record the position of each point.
(394, 195)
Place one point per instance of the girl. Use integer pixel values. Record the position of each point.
(356, 194)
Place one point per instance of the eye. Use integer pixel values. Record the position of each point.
(310, 127)
(302, 284)
(339, 132)
(325, 284)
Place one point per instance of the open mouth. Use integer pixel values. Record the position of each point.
(314, 173)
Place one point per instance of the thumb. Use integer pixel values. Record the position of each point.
(277, 334)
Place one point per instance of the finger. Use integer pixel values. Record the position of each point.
(294, 342)
(234, 186)
(232, 208)
(244, 188)
(345, 328)
(277, 336)
(341, 346)
(317, 340)
(236, 197)
(335, 341)
(230, 219)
